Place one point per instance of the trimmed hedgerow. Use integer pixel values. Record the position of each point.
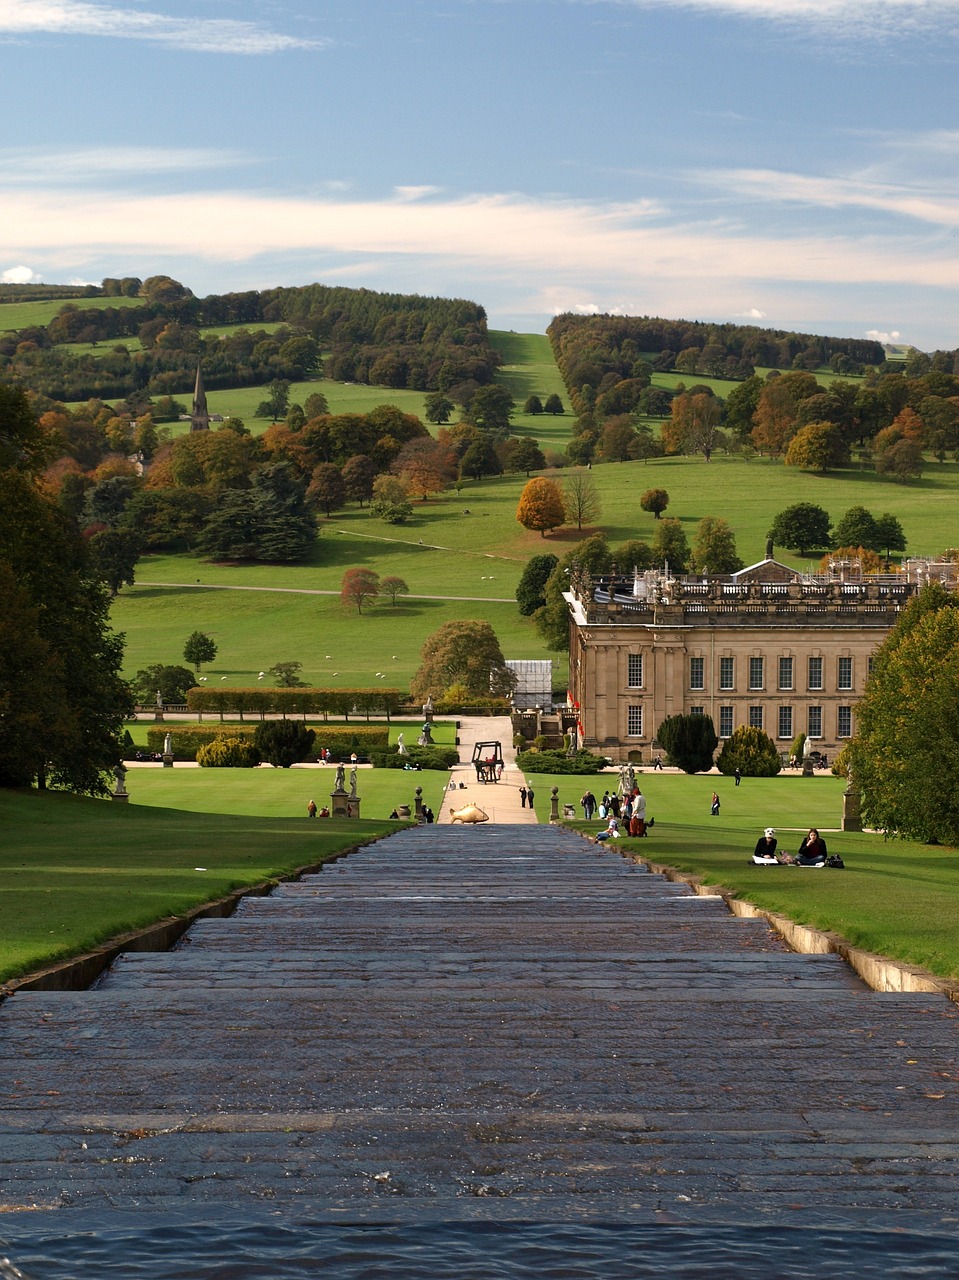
(583, 762)
(341, 740)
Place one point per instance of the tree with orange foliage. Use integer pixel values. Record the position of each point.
(541, 506)
(869, 561)
(359, 586)
(774, 422)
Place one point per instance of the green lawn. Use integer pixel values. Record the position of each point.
(20, 315)
(895, 897)
(75, 872)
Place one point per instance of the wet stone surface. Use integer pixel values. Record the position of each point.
(493, 1022)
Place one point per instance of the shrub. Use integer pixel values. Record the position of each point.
(228, 753)
(689, 742)
(441, 758)
(583, 762)
(283, 743)
(340, 739)
(752, 752)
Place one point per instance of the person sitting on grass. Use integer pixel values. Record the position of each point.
(612, 830)
(764, 854)
(812, 851)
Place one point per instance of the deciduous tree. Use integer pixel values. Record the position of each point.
(655, 500)
(524, 454)
(326, 490)
(540, 506)
(359, 587)
(531, 589)
(113, 557)
(818, 446)
(714, 547)
(801, 527)
(670, 545)
(464, 652)
(199, 648)
(581, 502)
(393, 587)
(553, 404)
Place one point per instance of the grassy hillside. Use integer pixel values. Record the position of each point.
(20, 315)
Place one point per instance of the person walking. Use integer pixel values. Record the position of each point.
(522, 797)
(714, 806)
(311, 808)
(738, 776)
(589, 805)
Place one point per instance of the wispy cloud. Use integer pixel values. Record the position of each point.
(203, 35)
(592, 246)
(827, 192)
(94, 164)
(842, 16)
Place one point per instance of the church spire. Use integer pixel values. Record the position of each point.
(200, 417)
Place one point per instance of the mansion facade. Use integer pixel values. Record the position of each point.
(771, 647)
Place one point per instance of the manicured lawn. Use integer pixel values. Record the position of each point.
(277, 793)
(894, 897)
(75, 872)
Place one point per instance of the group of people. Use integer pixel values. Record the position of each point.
(526, 797)
(313, 812)
(812, 851)
(628, 810)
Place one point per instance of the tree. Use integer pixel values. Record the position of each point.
(425, 466)
(283, 743)
(171, 683)
(393, 587)
(741, 404)
(490, 409)
(617, 439)
(533, 404)
(359, 474)
(278, 403)
(524, 454)
(857, 528)
(391, 501)
(269, 522)
(315, 405)
(62, 700)
(107, 501)
(437, 407)
(752, 752)
(689, 741)
(714, 548)
(778, 408)
(531, 588)
(480, 459)
(634, 554)
(867, 559)
(801, 527)
(359, 587)
(655, 500)
(818, 446)
(670, 545)
(113, 557)
(540, 506)
(552, 620)
(287, 675)
(907, 734)
(326, 489)
(890, 534)
(901, 459)
(199, 648)
(553, 404)
(694, 425)
(467, 653)
(581, 498)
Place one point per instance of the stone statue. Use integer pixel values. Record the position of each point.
(168, 745)
(428, 708)
(340, 778)
(159, 700)
(121, 777)
(353, 783)
(807, 748)
(769, 548)
(426, 737)
(401, 746)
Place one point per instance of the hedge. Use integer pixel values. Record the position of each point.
(583, 762)
(426, 757)
(341, 741)
(228, 753)
(298, 702)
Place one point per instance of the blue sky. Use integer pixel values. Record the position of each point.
(790, 162)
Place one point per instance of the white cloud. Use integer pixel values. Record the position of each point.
(414, 193)
(20, 275)
(204, 35)
(752, 314)
(846, 17)
(826, 192)
(878, 336)
(19, 165)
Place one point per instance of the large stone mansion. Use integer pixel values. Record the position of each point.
(769, 646)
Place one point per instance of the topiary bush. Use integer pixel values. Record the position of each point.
(689, 742)
(228, 753)
(283, 743)
(441, 758)
(752, 752)
(583, 762)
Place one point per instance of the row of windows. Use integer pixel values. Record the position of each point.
(757, 673)
(786, 726)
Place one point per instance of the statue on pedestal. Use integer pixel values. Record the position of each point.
(338, 784)
(353, 783)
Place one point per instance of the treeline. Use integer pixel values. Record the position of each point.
(595, 353)
(392, 340)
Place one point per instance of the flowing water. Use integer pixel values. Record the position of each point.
(168, 1248)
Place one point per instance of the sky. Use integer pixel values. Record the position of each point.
(789, 163)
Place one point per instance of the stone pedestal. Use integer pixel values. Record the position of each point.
(807, 769)
(168, 760)
(120, 792)
(418, 810)
(554, 804)
(339, 804)
(851, 818)
(352, 806)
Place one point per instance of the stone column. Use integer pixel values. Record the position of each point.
(554, 804)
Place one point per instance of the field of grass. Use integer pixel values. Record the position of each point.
(895, 897)
(20, 315)
(75, 872)
(278, 793)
